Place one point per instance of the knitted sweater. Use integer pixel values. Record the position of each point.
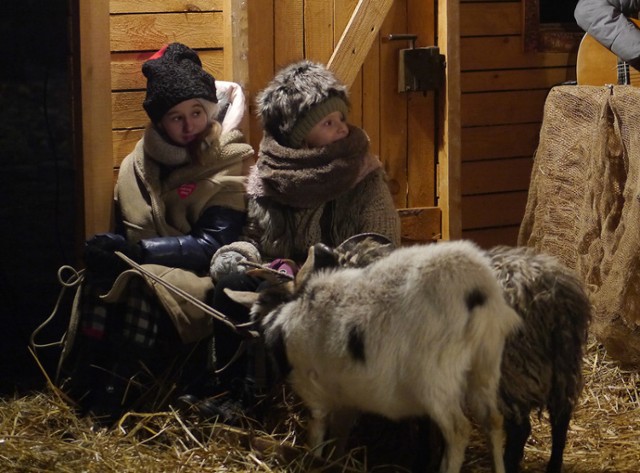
(281, 230)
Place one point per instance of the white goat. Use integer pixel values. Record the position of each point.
(418, 332)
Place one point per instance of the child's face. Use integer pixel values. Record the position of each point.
(184, 122)
(332, 127)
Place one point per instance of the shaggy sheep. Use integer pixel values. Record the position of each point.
(542, 362)
(417, 332)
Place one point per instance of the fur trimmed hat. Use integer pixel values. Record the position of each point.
(175, 74)
(297, 98)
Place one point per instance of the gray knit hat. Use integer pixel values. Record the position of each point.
(297, 98)
(175, 74)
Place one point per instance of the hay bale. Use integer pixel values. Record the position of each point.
(583, 204)
(40, 432)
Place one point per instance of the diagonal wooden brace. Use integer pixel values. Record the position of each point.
(357, 38)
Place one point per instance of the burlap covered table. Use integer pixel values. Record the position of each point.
(584, 203)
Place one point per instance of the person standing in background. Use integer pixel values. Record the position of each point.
(608, 21)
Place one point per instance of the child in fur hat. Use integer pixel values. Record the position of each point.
(179, 197)
(315, 180)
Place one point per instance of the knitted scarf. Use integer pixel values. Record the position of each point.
(308, 177)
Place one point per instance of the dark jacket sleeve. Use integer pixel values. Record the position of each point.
(216, 227)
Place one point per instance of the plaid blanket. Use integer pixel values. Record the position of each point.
(136, 319)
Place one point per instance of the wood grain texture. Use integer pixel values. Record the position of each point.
(500, 141)
(260, 58)
(393, 107)
(420, 225)
(163, 6)
(319, 30)
(497, 18)
(516, 79)
(505, 52)
(494, 210)
(421, 117)
(498, 175)
(94, 117)
(501, 108)
(359, 35)
(343, 11)
(288, 32)
(492, 236)
(449, 120)
(126, 68)
(149, 32)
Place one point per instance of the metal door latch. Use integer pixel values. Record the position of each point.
(419, 69)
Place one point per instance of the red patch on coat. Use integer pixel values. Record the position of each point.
(185, 190)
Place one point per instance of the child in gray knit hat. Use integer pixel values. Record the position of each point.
(315, 180)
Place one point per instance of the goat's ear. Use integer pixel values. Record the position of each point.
(306, 269)
(319, 256)
(246, 298)
(324, 256)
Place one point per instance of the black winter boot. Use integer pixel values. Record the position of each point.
(126, 383)
(81, 372)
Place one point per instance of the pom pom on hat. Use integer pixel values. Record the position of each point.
(297, 98)
(175, 74)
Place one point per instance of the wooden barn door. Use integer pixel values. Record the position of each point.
(415, 134)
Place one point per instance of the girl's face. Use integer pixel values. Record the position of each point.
(184, 122)
(332, 127)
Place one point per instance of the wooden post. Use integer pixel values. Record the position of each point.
(236, 51)
(449, 155)
(355, 43)
(94, 120)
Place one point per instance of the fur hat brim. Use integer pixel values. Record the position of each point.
(292, 94)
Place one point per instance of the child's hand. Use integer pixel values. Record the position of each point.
(99, 253)
(227, 263)
(229, 259)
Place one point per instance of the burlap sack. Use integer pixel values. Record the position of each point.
(584, 203)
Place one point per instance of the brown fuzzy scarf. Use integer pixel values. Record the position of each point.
(308, 177)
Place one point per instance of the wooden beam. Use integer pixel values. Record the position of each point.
(449, 150)
(420, 225)
(260, 58)
(236, 50)
(95, 116)
(236, 38)
(351, 51)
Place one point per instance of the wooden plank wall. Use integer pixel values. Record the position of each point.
(137, 30)
(503, 94)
